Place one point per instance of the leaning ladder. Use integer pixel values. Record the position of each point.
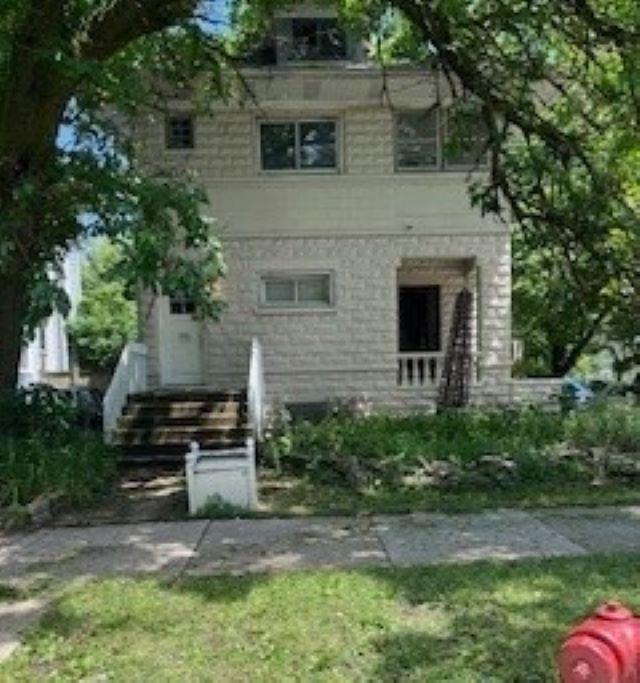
(456, 373)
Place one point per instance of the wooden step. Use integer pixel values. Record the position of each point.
(179, 435)
(158, 426)
(183, 396)
(178, 408)
(167, 454)
(147, 421)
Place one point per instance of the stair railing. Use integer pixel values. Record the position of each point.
(256, 390)
(130, 376)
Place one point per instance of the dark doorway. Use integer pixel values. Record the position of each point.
(419, 318)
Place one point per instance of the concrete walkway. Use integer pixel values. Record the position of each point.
(200, 547)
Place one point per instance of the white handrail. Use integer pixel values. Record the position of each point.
(256, 390)
(129, 377)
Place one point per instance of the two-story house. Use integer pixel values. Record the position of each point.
(346, 229)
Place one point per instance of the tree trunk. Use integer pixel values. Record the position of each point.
(13, 303)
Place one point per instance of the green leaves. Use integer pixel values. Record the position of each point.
(106, 318)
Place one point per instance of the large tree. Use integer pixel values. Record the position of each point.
(66, 171)
(557, 79)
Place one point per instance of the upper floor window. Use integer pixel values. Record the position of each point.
(298, 145)
(317, 39)
(439, 139)
(179, 131)
(417, 144)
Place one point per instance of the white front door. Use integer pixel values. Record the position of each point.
(181, 343)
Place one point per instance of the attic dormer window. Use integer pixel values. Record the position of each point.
(317, 39)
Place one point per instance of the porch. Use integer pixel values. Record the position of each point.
(427, 293)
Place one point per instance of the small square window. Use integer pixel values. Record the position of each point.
(180, 132)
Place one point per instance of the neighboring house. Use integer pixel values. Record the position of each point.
(46, 358)
(346, 228)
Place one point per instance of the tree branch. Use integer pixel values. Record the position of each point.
(127, 20)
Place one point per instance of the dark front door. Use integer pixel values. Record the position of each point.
(419, 318)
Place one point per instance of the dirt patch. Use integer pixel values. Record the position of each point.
(140, 494)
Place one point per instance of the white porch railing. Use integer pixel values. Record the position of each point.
(420, 369)
(256, 390)
(129, 377)
(425, 369)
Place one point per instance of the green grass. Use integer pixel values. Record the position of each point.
(480, 622)
(292, 496)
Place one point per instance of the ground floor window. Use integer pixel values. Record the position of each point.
(296, 290)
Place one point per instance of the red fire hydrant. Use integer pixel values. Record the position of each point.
(604, 648)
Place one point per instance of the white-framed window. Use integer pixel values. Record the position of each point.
(301, 145)
(304, 290)
(440, 139)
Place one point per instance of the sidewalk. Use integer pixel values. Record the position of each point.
(201, 547)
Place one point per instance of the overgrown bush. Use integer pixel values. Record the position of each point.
(612, 426)
(76, 468)
(36, 411)
(455, 448)
(390, 447)
(47, 446)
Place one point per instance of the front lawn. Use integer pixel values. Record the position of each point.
(295, 495)
(478, 622)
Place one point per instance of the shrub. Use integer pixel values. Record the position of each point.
(45, 447)
(77, 468)
(37, 410)
(387, 448)
(613, 426)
